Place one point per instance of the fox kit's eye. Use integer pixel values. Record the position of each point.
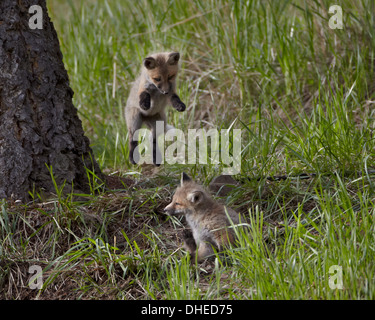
(157, 79)
(177, 204)
(171, 77)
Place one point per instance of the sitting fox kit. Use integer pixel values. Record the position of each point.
(151, 92)
(207, 219)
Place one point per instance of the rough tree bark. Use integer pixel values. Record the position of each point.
(38, 123)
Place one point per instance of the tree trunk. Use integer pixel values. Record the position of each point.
(39, 125)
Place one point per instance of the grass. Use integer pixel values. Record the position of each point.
(303, 95)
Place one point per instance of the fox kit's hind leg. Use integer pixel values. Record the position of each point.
(151, 123)
(134, 122)
(205, 249)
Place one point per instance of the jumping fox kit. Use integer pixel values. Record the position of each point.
(207, 219)
(151, 92)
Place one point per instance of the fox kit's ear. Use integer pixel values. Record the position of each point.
(184, 178)
(149, 63)
(173, 58)
(195, 197)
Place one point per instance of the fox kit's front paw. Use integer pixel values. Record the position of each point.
(145, 100)
(177, 103)
(133, 152)
(189, 241)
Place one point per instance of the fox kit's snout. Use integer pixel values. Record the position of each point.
(209, 221)
(151, 92)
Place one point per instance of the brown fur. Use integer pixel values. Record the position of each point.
(151, 92)
(207, 219)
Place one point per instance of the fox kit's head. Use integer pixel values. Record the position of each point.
(187, 198)
(162, 70)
